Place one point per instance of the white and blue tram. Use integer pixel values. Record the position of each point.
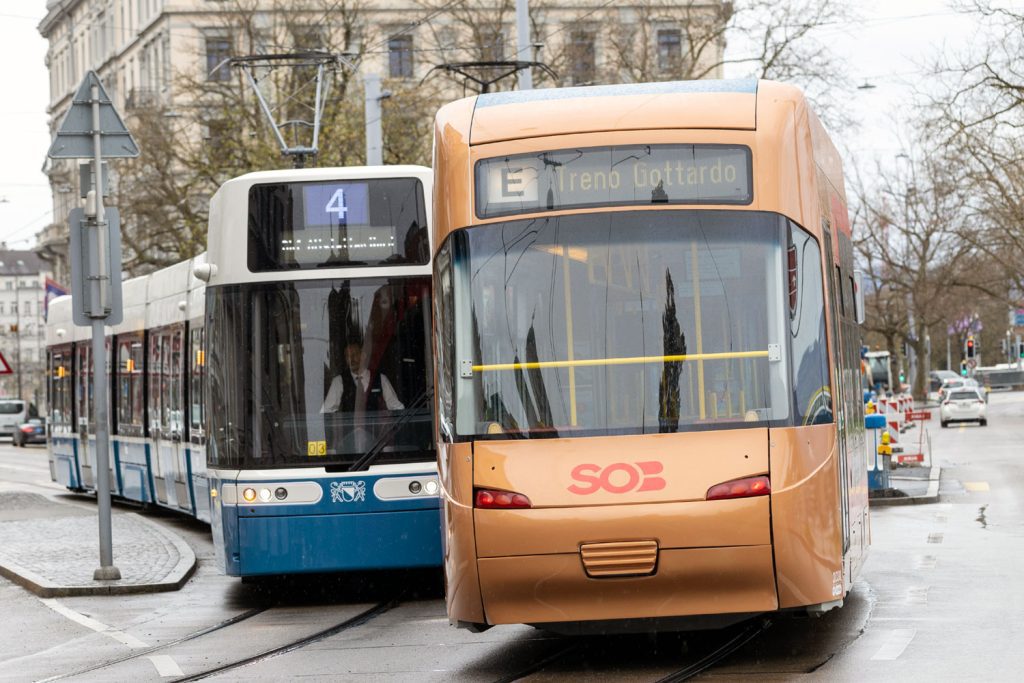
(288, 399)
(319, 433)
(154, 368)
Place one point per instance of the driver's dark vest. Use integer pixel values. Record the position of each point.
(353, 394)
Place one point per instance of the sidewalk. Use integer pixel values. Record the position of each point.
(51, 548)
(909, 486)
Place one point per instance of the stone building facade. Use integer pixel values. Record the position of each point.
(22, 333)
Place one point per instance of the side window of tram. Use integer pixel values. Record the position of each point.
(83, 387)
(153, 366)
(174, 412)
(165, 409)
(129, 385)
(60, 388)
(197, 369)
(811, 393)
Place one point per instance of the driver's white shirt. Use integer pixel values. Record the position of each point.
(333, 399)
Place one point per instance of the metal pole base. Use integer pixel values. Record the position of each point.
(110, 573)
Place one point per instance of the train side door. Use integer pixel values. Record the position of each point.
(83, 411)
(166, 417)
(838, 387)
(196, 455)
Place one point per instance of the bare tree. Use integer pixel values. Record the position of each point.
(976, 118)
(213, 128)
(910, 226)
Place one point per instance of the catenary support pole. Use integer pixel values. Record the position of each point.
(374, 129)
(524, 47)
(99, 284)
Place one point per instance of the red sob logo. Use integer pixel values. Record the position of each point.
(620, 477)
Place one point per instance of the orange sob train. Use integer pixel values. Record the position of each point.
(646, 347)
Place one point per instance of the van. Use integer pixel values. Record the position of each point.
(13, 412)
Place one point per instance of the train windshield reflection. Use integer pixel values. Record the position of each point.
(625, 322)
(320, 373)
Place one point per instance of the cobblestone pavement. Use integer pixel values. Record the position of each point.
(56, 544)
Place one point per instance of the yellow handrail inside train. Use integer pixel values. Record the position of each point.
(634, 360)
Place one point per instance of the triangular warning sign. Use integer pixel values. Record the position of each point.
(5, 367)
(75, 136)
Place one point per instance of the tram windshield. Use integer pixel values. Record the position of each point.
(332, 373)
(631, 322)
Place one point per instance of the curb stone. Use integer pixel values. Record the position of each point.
(931, 496)
(173, 581)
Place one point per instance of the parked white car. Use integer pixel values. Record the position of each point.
(965, 404)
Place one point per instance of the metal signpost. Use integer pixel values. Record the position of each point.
(93, 130)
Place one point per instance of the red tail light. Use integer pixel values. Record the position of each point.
(740, 488)
(492, 498)
(28, 429)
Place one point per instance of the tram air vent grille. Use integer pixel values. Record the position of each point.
(623, 558)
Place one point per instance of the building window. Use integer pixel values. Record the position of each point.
(493, 47)
(218, 51)
(670, 49)
(448, 39)
(400, 63)
(582, 57)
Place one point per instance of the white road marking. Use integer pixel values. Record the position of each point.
(165, 666)
(976, 485)
(895, 645)
(109, 631)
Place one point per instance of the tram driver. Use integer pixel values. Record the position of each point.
(356, 389)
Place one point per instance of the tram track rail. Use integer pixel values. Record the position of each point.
(730, 646)
(238, 618)
(540, 664)
(357, 620)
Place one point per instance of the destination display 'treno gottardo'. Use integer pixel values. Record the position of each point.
(613, 176)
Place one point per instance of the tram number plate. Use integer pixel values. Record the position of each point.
(316, 449)
(913, 415)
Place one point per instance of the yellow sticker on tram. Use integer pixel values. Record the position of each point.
(316, 449)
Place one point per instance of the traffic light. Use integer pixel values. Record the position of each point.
(970, 347)
(963, 368)
(1020, 350)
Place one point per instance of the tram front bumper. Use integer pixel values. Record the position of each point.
(294, 544)
(688, 582)
(710, 558)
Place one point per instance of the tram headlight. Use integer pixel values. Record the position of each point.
(432, 487)
(249, 495)
(415, 487)
(280, 493)
(264, 495)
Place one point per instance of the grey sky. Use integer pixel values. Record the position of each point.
(887, 50)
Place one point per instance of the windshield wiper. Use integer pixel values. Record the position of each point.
(403, 417)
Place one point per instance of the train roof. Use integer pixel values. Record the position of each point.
(719, 104)
(164, 297)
